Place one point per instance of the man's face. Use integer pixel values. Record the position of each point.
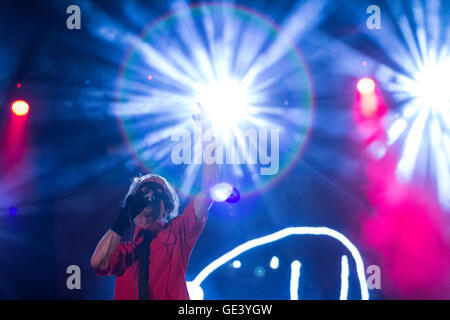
(151, 217)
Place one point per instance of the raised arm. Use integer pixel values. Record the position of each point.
(210, 171)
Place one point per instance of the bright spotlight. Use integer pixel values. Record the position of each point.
(225, 102)
(427, 118)
(244, 71)
(237, 264)
(20, 107)
(431, 86)
(421, 125)
(366, 86)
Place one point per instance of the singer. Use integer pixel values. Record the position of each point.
(153, 265)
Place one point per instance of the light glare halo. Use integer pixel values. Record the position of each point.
(225, 102)
(431, 86)
(170, 99)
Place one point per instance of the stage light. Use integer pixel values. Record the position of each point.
(369, 105)
(20, 107)
(424, 122)
(368, 99)
(221, 192)
(431, 86)
(237, 264)
(225, 192)
(225, 102)
(418, 127)
(366, 86)
(274, 262)
(240, 67)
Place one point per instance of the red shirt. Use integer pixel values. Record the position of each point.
(169, 256)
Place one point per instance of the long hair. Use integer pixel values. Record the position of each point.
(174, 202)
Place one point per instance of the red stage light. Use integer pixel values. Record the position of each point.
(366, 86)
(20, 107)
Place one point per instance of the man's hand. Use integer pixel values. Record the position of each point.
(134, 205)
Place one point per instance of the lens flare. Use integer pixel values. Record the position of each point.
(245, 72)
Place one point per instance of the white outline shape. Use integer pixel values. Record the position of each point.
(344, 278)
(236, 264)
(280, 235)
(274, 262)
(295, 278)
